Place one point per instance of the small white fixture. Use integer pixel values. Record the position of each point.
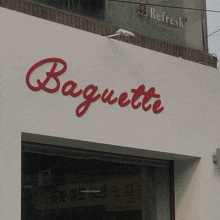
(123, 33)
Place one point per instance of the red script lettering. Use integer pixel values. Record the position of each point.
(90, 92)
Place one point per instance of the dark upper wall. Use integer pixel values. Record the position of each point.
(93, 25)
(178, 26)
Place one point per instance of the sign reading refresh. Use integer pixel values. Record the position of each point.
(162, 17)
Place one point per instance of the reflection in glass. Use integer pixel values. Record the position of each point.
(58, 187)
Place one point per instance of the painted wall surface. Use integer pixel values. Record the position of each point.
(188, 125)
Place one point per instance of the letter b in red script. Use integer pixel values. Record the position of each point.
(51, 74)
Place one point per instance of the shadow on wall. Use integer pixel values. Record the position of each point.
(186, 183)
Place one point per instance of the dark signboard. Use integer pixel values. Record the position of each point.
(164, 20)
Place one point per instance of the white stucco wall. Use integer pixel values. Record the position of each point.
(188, 125)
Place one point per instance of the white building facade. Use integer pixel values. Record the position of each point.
(166, 109)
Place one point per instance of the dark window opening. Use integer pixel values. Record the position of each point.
(94, 9)
(88, 186)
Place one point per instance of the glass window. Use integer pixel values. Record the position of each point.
(94, 9)
(67, 184)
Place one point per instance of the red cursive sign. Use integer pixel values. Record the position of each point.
(90, 93)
